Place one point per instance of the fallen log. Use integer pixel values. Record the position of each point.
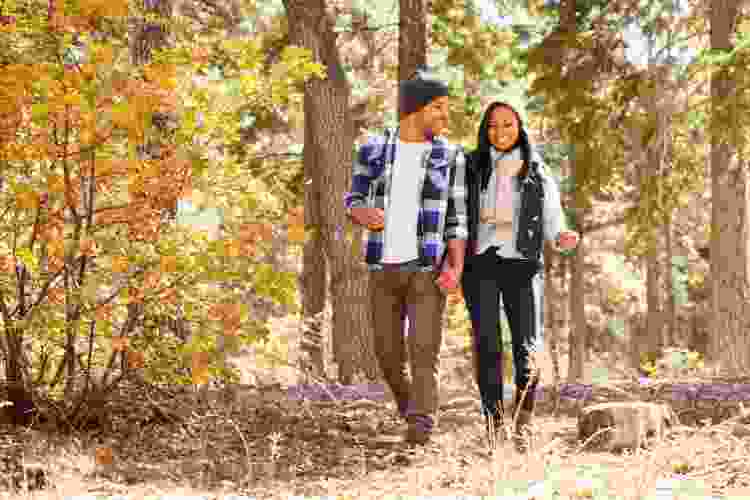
(618, 426)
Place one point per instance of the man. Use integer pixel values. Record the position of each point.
(408, 190)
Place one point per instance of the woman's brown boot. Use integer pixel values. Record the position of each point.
(525, 412)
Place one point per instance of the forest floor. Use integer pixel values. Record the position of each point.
(257, 442)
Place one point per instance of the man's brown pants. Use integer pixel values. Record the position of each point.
(392, 293)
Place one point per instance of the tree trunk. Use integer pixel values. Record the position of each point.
(313, 278)
(568, 15)
(670, 332)
(578, 330)
(332, 138)
(412, 38)
(22, 410)
(654, 323)
(729, 223)
(554, 308)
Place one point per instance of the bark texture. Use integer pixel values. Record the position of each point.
(654, 286)
(331, 137)
(729, 216)
(579, 329)
(412, 38)
(555, 310)
(670, 312)
(314, 270)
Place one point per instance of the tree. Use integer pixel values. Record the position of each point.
(588, 88)
(667, 165)
(729, 209)
(148, 36)
(412, 39)
(331, 147)
(577, 334)
(314, 267)
(670, 286)
(83, 239)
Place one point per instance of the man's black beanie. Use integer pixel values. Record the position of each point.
(416, 93)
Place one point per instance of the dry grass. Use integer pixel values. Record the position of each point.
(256, 442)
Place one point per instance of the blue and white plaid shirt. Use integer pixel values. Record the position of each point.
(442, 211)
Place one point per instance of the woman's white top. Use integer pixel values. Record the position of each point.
(553, 218)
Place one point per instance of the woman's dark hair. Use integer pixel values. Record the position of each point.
(482, 153)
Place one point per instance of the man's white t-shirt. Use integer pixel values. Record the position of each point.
(401, 217)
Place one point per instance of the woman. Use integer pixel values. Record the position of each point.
(513, 205)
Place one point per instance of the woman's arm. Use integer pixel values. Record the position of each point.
(553, 215)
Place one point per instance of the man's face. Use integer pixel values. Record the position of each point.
(503, 128)
(435, 116)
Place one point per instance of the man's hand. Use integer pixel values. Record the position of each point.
(448, 279)
(373, 218)
(567, 240)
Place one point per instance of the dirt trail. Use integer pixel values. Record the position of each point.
(258, 442)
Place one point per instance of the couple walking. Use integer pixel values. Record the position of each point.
(437, 218)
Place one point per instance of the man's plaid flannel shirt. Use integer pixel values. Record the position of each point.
(442, 214)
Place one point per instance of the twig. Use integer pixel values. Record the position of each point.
(550, 445)
(591, 437)
(723, 464)
(91, 352)
(244, 443)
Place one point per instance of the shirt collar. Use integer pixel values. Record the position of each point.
(513, 154)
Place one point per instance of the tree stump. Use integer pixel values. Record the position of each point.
(629, 424)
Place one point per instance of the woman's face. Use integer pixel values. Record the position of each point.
(503, 128)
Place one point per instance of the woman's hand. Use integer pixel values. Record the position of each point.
(567, 240)
(448, 279)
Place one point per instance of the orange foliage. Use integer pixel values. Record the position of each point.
(136, 360)
(151, 280)
(7, 264)
(168, 263)
(89, 247)
(120, 343)
(119, 264)
(199, 368)
(56, 295)
(104, 456)
(104, 312)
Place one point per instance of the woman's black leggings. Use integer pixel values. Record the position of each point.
(485, 277)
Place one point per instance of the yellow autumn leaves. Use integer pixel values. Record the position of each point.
(246, 240)
(296, 221)
(230, 315)
(199, 368)
(152, 279)
(27, 200)
(88, 11)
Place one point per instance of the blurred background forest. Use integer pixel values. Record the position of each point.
(173, 175)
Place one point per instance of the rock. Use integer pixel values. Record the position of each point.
(362, 428)
(632, 423)
(741, 430)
